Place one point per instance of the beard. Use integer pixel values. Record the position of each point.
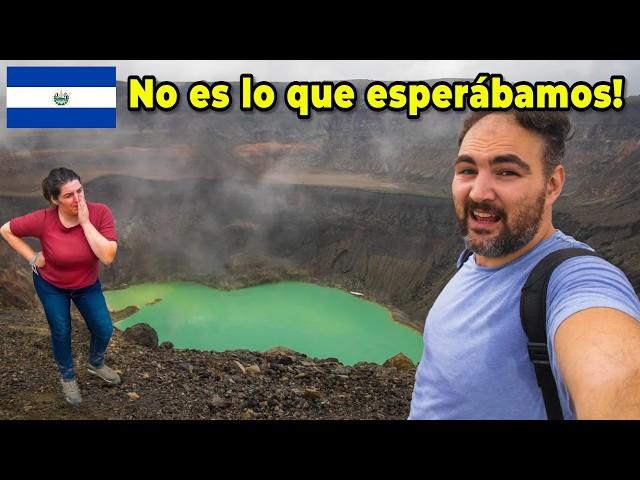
(517, 230)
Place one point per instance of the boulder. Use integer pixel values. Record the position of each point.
(400, 361)
(281, 355)
(141, 334)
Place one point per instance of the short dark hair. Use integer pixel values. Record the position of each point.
(554, 127)
(55, 180)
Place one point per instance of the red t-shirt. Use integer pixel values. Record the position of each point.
(70, 262)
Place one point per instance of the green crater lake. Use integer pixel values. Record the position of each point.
(318, 321)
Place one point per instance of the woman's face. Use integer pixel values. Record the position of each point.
(70, 194)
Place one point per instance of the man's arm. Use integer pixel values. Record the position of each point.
(598, 351)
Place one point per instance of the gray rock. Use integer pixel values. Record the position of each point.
(216, 402)
(311, 392)
(239, 366)
(253, 369)
(141, 334)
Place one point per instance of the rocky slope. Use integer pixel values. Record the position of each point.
(163, 383)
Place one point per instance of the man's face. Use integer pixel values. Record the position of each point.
(499, 187)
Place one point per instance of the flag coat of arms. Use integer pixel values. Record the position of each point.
(61, 97)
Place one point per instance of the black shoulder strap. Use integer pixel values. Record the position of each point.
(533, 314)
(463, 257)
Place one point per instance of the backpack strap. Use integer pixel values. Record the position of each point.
(533, 314)
(463, 257)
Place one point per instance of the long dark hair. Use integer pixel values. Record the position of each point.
(55, 180)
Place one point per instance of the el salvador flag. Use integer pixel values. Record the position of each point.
(61, 97)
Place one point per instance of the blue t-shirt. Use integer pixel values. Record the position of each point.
(475, 363)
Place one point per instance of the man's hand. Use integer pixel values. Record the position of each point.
(83, 210)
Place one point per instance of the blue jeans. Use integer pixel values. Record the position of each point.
(91, 304)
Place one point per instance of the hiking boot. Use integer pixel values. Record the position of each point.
(105, 373)
(71, 392)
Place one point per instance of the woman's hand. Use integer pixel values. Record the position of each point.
(41, 262)
(83, 210)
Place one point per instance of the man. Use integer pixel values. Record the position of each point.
(475, 363)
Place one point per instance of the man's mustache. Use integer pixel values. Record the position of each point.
(485, 207)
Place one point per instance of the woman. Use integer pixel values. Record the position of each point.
(75, 235)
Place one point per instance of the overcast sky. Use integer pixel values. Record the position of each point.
(569, 71)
